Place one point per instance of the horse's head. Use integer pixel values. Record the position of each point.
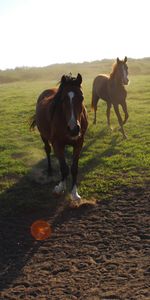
(121, 70)
(72, 104)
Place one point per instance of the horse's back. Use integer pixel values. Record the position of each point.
(46, 96)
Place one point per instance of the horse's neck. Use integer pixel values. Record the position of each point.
(115, 88)
(55, 110)
(115, 81)
(55, 105)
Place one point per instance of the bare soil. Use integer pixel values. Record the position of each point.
(96, 252)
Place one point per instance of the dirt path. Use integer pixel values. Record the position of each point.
(95, 253)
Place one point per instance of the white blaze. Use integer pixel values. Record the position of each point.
(72, 122)
(125, 75)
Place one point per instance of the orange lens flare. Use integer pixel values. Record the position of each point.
(41, 230)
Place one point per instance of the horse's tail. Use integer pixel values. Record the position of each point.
(32, 122)
(95, 96)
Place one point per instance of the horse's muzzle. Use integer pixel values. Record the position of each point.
(75, 131)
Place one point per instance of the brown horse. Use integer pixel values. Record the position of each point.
(61, 119)
(111, 89)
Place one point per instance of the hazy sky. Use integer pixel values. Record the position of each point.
(43, 32)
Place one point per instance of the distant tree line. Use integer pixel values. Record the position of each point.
(87, 69)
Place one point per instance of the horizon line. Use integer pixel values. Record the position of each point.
(66, 63)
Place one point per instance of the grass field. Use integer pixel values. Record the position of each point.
(107, 164)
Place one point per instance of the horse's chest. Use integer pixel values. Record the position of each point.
(116, 94)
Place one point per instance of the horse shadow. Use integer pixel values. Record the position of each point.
(97, 158)
(21, 205)
(25, 202)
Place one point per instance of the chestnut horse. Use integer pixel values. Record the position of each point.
(111, 89)
(61, 119)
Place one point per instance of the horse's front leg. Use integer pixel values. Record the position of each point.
(74, 171)
(60, 188)
(94, 120)
(116, 108)
(95, 99)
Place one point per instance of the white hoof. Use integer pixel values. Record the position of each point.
(74, 194)
(60, 188)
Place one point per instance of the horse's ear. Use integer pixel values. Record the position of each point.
(79, 78)
(125, 59)
(63, 79)
(118, 59)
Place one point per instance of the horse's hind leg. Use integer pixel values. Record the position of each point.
(47, 148)
(95, 99)
(116, 108)
(108, 114)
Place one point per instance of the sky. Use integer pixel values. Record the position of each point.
(44, 32)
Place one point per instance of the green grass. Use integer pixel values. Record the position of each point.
(107, 164)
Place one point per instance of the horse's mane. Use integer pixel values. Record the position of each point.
(114, 67)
